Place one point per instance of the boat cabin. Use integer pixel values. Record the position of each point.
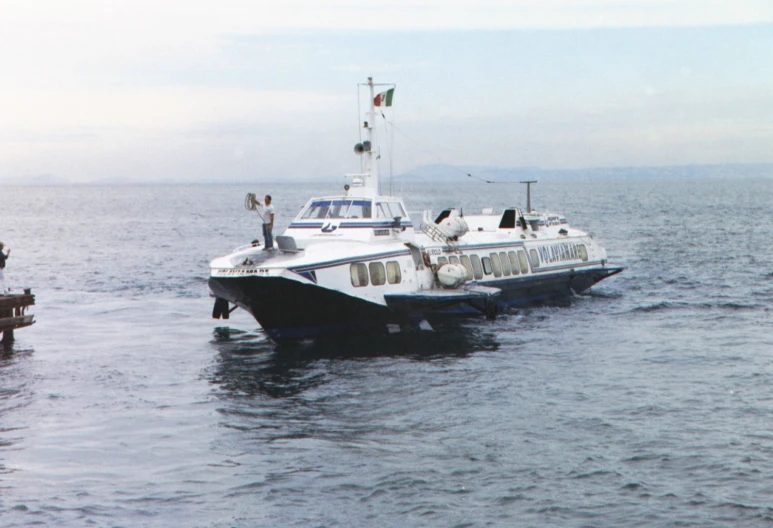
(366, 219)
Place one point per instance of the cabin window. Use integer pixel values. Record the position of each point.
(508, 219)
(377, 273)
(441, 261)
(393, 272)
(523, 261)
(359, 209)
(443, 215)
(453, 259)
(486, 265)
(534, 258)
(496, 266)
(583, 252)
(320, 209)
(389, 210)
(359, 273)
(339, 208)
(514, 262)
(396, 209)
(476, 267)
(317, 209)
(467, 266)
(505, 263)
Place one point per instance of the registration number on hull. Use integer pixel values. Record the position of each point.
(239, 272)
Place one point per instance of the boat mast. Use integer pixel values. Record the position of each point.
(528, 194)
(368, 183)
(371, 168)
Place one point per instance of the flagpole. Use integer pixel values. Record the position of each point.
(372, 169)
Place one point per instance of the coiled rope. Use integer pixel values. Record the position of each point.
(251, 202)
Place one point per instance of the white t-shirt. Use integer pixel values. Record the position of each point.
(265, 213)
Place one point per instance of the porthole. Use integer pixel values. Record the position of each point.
(476, 267)
(514, 262)
(393, 272)
(359, 274)
(505, 263)
(523, 261)
(486, 261)
(534, 258)
(467, 266)
(496, 266)
(377, 273)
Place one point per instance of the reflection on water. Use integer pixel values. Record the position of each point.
(355, 392)
(249, 364)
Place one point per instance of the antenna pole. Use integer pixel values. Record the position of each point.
(528, 194)
(372, 167)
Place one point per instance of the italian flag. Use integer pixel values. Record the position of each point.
(384, 98)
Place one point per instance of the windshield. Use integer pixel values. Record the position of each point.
(344, 208)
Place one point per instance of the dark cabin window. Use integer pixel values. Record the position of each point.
(442, 216)
(486, 265)
(508, 219)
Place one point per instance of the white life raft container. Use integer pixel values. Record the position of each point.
(452, 275)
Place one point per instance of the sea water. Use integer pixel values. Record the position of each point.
(648, 402)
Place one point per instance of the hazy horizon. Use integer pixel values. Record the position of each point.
(191, 92)
(444, 172)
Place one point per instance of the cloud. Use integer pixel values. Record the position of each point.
(87, 86)
(194, 25)
(153, 108)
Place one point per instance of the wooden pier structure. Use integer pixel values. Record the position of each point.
(13, 314)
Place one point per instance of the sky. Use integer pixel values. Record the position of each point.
(246, 90)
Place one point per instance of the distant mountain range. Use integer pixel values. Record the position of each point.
(515, 174)
(37, 179)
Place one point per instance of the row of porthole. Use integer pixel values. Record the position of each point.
(375, 273)
(503, 263)
(498, 264)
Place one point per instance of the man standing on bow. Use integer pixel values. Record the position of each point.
(266, 212)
